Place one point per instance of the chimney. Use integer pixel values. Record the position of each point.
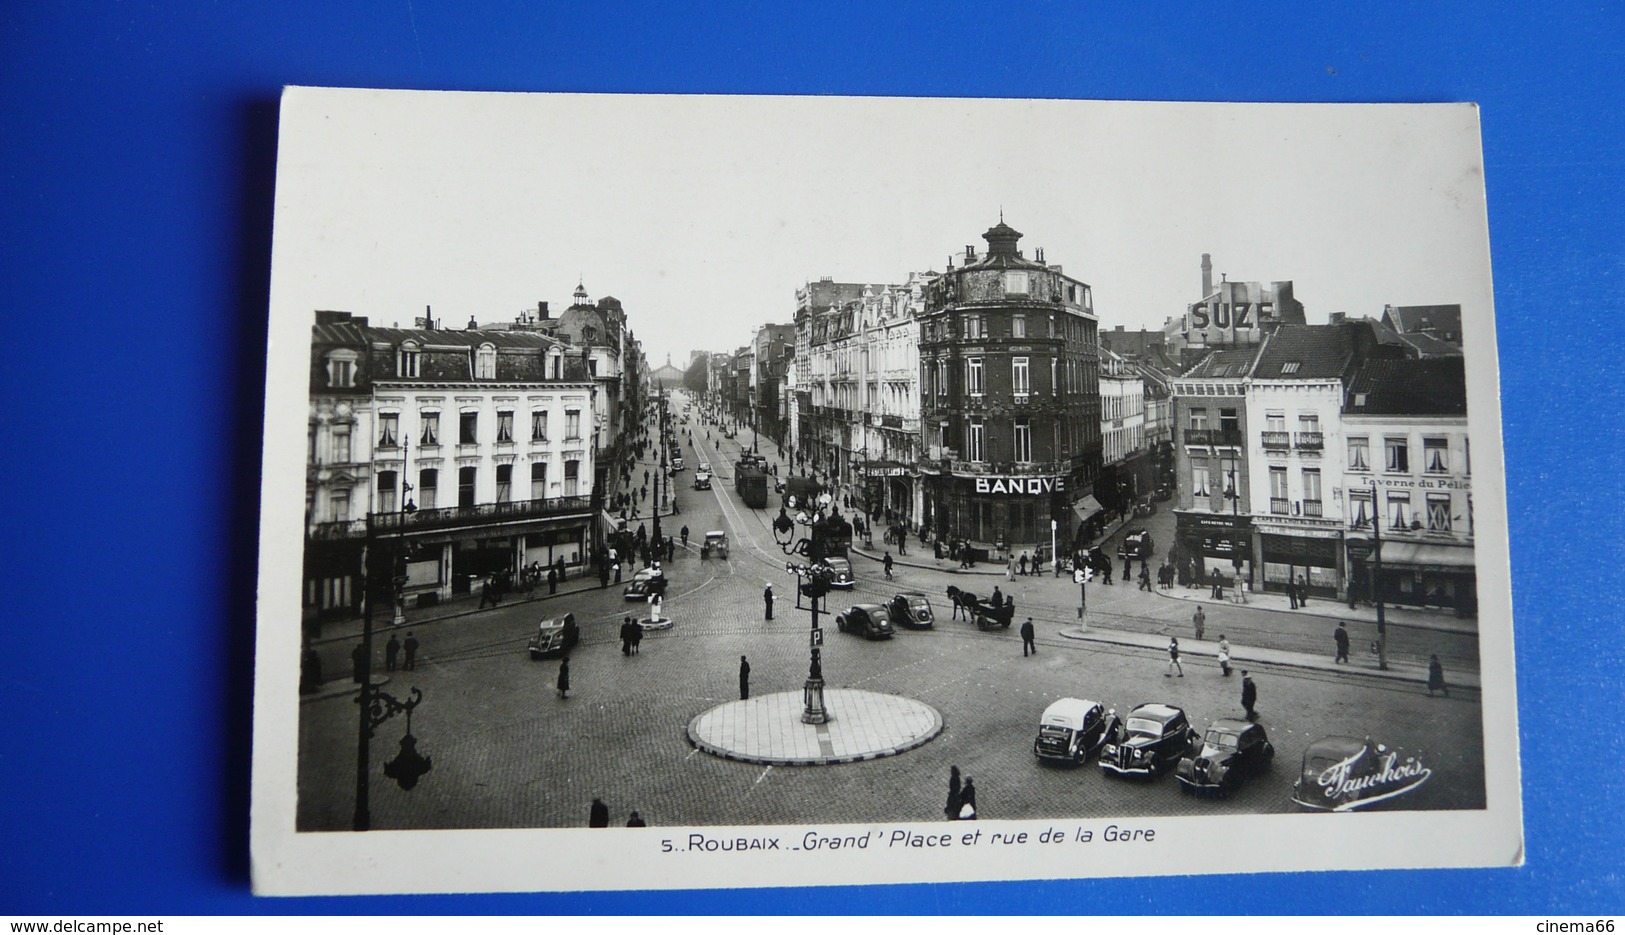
(541, 311)
(1207, 275)
(970, 252)
(1336, 318)
(1119, 327)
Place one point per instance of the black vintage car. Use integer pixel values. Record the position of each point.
(911, 609)
(867, 620)
(1151, 742)
(1137, 543)
(554, 637)
(1231, 751)
(646, 582)
(1345, 774)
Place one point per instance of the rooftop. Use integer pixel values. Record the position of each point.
(1433, 386)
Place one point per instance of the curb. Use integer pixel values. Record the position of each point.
(914, 743)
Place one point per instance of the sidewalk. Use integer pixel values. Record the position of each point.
(1329, 610)
(1203, 654)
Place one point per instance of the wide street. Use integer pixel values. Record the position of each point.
(508, 752)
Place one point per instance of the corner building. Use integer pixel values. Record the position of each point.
(1009, 400)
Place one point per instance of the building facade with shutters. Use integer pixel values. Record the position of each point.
(1010, 400)
(467, 453)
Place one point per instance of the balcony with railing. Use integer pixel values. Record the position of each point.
(1011, 468)
(1229, 437)
(1280, 506)
(452, 517)
(1277, 441)
(1312, 508)
(1311, 441)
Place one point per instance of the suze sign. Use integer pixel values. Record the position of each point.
(1224, 315)
(1027, 485)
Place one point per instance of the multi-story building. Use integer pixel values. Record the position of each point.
(1233, 315)
(467, 452)
(1010, 399)
(1213, 507)
(1409, 467)
(1126, 468)
(772, 349)
(810, 432)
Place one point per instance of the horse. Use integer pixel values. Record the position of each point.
(964, 603)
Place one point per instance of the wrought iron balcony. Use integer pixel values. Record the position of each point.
(452, 517)
(1312, 508)
(1230, 437)
(1277, 441)
(1280, 506)
(1311, 441)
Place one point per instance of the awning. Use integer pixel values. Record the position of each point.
(1086, 507)
(1428, 555)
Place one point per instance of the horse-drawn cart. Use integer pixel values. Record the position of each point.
(985, 614)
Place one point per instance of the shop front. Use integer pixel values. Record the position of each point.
(1435, 575)
(1213, 545)
(998, 515)
(1311, 557)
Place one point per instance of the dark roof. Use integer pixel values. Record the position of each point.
(1436, 386)
(520, 339)
(1426, 345)
(1408, 319)
(1319, 351)
(1230, 363)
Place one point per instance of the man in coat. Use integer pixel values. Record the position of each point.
(563, 683)
(392, 650)
(1198, 621)
(1303, 591)
(1028, 647)
(1342, 639)
(599, 816)
(767, 601)
(411, 647)
(1249, 695)
(744, 679)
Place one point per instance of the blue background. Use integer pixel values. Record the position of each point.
(138, 146)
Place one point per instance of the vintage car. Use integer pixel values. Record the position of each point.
(1152, 740)
(911, 609)
(646, 582)
(1071, 730)
(1232, 750)
(1344, 774)
(676, 463)
(702, 480)
(840, 573)
(1136, 544)
(554, 637)
(703, 466)
(867, 620)
(716, 543)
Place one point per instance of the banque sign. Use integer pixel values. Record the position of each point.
(1028, 485)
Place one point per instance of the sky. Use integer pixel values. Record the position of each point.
(703, 214)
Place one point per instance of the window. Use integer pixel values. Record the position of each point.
(1278, 491)
(505, 425)
(572, 478)
(1015, 282)
(1199, 418)
(341, 368)
(1309, 422)
(1200, 485)
(389, 424)
(1018, 326)
(431, 428)
(1399, 510)
(572, 424)
(386, 491)
(1229, 423)
(1275, 421)
(339, 504)
(973, 376)
(1397, 456)
(1439, 512)
(406, 361)
(485, 362)
(1311, 484)
(468, 428)
(942, 377)
(465, 486)
(1436, 455)
(538, 425)
(341, 444)
(1360, 509)
(1020, 378)
(973, 440)
(975, 326)
(1289, 368)
(1024, 440)
(1359, 454)
(428, 488)
(504, 483)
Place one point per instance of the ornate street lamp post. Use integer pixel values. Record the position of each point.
(377, 706)
(817, 578)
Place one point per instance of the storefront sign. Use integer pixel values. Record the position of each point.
(1027, 485)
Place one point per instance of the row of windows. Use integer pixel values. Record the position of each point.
(1021, 378)
(341, 364)
(1216, 478)
(1437, 514)
(468, 427)
(1396, 454)
(978, 326)
(426, 495)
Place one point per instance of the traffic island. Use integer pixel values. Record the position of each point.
(768, 729)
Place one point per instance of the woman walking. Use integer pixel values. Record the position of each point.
(564, 677)
(952, 808)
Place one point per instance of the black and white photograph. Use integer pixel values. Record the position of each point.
(706, 491)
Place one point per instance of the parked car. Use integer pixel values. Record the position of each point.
(867, 620)
(676, 464)
(554, 637)
(1153, 738)
(911, 609)
(840, 573)
(646, 582)
(1136, 544)
(1071, 730)
(702, 480)
(1345, 774)
(1232, 750)
(716, 543)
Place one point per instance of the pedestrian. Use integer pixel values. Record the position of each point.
(1218, 586)
(411, 647)
(603, 574)
(599, 816)
(1291, 593)
(1341, 637)
(1303, 591)
(358, 661)
(767, 601)
(887, 563)
(636, 821)
(617, 572)
(1224, 655)
(1198, 621)
(1145, 578)
(1010, 568)
(1021, 564)
(952, 808)
(637, 638)
(1127, 570)
(563, 684)
(552, 581)
(1027, 644)
(1173, 658)
(392, 649)
(685, 537)
(1436, 677)
(626, 636)
(967, 800)
(744, 679)
(1249, 695)
(488, 594)
(560, 565)
(997, 600)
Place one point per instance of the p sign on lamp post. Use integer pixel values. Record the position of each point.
(1081, 576)
(1055, 559)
